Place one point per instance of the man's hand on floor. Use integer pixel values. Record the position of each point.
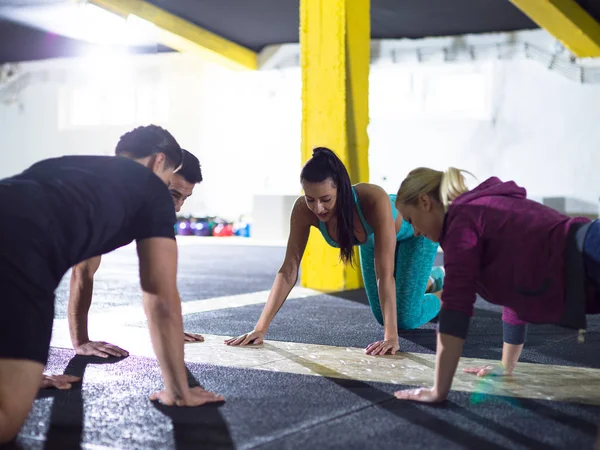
(101, 349)
(58, 381)
(192, 337)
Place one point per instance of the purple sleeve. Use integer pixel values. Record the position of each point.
(462, 256)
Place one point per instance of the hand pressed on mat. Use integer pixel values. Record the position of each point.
(195, 396)
(101, 349)
(510, 356)
(254, 337)
(58, 381)
(421, 395)
(488, 371)
(192, 337)
(449, 349)
(390, 346)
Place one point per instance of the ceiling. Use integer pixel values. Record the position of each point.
(37, 29)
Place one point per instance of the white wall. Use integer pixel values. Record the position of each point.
(512, 118)
(244, 127)
(249, 138)
(40, 120)
(535, 127)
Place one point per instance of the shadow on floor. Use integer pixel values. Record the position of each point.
(66, 417)
(202, 427)
(191, 426)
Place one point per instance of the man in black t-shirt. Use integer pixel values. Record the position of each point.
(65, 210)
(82, 278)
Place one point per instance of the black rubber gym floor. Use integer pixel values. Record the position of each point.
(280, 410)
(204, 272)
(274, 410)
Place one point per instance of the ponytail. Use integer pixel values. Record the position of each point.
(444, 187)
(452, 185)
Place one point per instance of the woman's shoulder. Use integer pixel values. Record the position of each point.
(302, 213)
(369, 193)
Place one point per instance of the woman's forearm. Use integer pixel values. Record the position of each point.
(387, 299)
(279, 292)
(510, 356)
(449, 349)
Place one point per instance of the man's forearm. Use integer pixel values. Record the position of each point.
(166, 332)
(80, 299)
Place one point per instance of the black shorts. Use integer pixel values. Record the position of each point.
(26, 316)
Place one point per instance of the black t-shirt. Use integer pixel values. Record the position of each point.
(64, 210)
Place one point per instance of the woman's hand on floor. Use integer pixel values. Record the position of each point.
(420, 395)
(382, 347)
(254, 337)
(488, 371)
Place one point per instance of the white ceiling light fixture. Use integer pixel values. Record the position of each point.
(86, 22)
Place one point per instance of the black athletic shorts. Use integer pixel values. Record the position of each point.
(26, 315)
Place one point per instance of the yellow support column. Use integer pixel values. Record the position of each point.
(335, 58)
(566, 21)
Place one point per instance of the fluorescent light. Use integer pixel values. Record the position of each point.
(86, 22)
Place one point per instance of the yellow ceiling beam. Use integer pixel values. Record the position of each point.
(181, 35)
(566, 21)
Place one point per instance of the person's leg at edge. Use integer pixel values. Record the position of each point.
(367, 266)
(591, 256)
(436, 280)
(19, 384)
(25, 333)
(414, 260)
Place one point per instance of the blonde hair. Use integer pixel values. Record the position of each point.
(442, 186)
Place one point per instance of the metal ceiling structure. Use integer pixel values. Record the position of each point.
(32, 29)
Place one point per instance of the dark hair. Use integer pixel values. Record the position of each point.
(190, 168)
(325, 164)
(150, 140)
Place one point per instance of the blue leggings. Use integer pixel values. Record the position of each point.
(591, 253)
(414, 261)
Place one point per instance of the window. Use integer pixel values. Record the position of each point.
(98, 105)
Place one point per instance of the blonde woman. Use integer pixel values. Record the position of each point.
(542, 266)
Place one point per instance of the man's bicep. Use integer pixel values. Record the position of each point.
(156, 218)
(88, 267)
(158, 265)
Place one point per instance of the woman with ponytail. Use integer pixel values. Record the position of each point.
(540, 265)
(396, 265)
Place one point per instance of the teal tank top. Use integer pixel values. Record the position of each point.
(406, 230)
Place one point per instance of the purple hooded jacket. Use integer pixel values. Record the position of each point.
(508, 249)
